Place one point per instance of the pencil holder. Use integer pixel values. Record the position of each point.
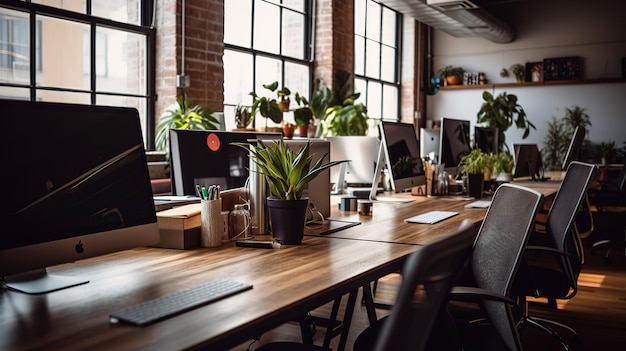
(212, 223)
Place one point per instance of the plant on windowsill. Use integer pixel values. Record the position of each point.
(502, 111)
(267, 106)
(287, 173)
(183, 115)
(346, 117)
(303, 115)
(243, 117)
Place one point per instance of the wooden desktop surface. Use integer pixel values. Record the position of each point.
(287, 282)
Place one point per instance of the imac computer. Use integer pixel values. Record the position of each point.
(76, 186)
(206, 157)
(361, 151)
(486, 139)
(527, 161)
(575, 145)
(455, 143)
(399, 150)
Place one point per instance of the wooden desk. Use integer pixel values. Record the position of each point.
(287, 282)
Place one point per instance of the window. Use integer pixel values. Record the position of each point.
(376, 57)
(103, 58)
(265, 41)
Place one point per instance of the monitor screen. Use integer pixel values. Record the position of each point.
(360, 170)
(455, 143)
(402, 155)
(206, 157)
(486, 139)
(573, 151)
(527, 161)
(78, 187)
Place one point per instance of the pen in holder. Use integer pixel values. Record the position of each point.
(212, 222)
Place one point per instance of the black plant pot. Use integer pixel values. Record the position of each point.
(475, 184)
(287, 218)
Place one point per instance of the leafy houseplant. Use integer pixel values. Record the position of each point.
(243, 117)
(503, 164)
(303, 115)
(502, 112)
(476, 164)
(182, 115)
(555, 145)
(519, 71)
(287, 173)
(451, 74)
(267, 106)
(345, 116)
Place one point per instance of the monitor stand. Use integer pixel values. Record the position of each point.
(40, 282)
(380, 163)
(339, 186)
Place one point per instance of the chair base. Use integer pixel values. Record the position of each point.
(542, 324)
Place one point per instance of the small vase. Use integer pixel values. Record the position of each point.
(288, 130)
(303, 130)
(287, 219)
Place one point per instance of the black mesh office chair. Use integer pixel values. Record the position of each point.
(494, 261)
(408, 326)
(552, 271)
(609, 199)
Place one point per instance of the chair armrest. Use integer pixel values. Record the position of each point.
(474, 294)
(550, 250)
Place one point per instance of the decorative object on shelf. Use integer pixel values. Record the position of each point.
(451, 75)
(267, 106)
(287, 173)
(534, 72)
(243, 117)
(504, 73)
(500, 112)
(562, 68)
(181, 115)
(519, 71)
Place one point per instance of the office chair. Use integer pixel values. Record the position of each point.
(409, 324)
(610, 197)
(494, 261)
(552, 271)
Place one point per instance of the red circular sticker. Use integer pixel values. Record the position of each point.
(213, 142)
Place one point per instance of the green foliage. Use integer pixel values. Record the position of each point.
(519, 71)
(576, 116)
(501, 112)
(303, 115)
(555, 144)
(476, 162)
(243, 117)
(503, 163)
(321, 99)
(287, 172)
(181, 115)
(267, 106)
(450, 70)
(606, 150)
(345, 116)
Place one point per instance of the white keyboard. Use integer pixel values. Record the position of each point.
(431, 217)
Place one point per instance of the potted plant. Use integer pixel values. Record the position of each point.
(287, 173)
(243, 117)
(577, 116)
(182, 115)
(502, 112)
(267, 106)
(475, 165)
(503, 164)
(345, 116)
(451, 74)
(519, 71)
(283, 98)
(303, 115)
(555, 145)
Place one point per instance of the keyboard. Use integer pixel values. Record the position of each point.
(431, 217)
(169, 305)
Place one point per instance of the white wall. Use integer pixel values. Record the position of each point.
(594, 30)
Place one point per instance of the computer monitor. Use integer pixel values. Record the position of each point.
(362, 151)
(575, 145)
(486, 139)
(455, 143)
(206, 157)
(402, 155)
(76, 185)
(527, 161)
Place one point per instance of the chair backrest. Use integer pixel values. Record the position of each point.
(498, 250)
(434, 266)
(560, 223)
(621, 179)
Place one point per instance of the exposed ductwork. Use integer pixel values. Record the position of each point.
(459, 18)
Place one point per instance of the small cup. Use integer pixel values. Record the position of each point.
(212, 223)
(365, 207)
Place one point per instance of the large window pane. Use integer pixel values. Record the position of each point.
(125, 54)
(125, 11)
(374, 100)
(293, 32)
(388, 36)
(297, 79)
(62, 68)
(359, 59)
(388, 64)
(237, 24)
(372, 60)
(359, 17)
(390, 98)
(63, 96)
(237, 83)
(267, 27)
(70, 5)
(14, 47)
